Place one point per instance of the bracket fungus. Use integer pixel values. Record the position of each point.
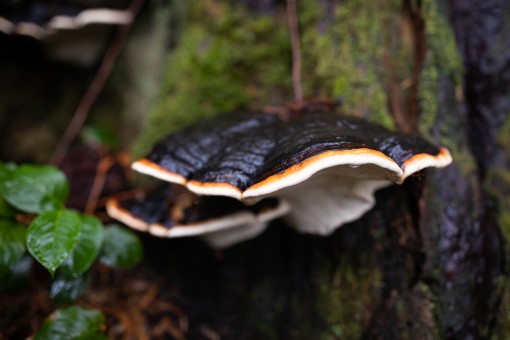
(173, 211)
(75, 32)
(324, 167)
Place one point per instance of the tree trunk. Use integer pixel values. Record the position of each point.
(428, 260)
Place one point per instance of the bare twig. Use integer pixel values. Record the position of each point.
(296, 49)
(96, 87)
(101, 171)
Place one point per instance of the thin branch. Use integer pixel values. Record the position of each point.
(296, 49)
(96, 87)
(101, 171)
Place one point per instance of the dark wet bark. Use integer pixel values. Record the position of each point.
(466, 231)
(275, 286)
(483, 36)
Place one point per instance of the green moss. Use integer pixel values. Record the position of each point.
(343, 49)
(266, 306)
(226, 59)
(442, 60)
(419, 316)
(347, 300)
(503, 138)
(502, 329)
(440, 107)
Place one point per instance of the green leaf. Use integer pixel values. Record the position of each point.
(52, 237)
(12, 242)
(34, 188)
(121, 247)
(73, 323)
(65, 290)
(87, 249)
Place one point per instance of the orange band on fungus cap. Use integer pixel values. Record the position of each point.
(147, 167)
(233, 153)
(172, 211)
(214, 189)
(302, 171)
(114, 209)
(423, 160)
(327, 167)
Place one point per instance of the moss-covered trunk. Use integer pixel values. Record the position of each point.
(428, 261)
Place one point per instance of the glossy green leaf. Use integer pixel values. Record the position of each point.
(52, 237)
(73, 323)
(12, 242)
(121, 247)
(87, 249)
(34, 188)
(65, 290)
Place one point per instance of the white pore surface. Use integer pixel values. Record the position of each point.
(329, 199)
(222, 223)
(228, 237)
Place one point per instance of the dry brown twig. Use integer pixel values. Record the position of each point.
(101, 172)
(296, 49)
(96, 86)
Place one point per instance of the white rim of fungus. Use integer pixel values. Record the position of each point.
(233, 220)
(298, 173)
(93, 16)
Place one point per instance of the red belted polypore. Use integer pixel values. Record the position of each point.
(323, 167)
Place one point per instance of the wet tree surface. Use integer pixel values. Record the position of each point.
(469, 243)
(427, 262)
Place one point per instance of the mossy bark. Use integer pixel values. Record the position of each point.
(427, 260)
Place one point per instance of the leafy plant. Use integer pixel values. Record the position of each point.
(63, 241)
(73, 323)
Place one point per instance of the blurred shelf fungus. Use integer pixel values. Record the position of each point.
(326, 167)
(72, 31)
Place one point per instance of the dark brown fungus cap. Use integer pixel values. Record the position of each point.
(326, 166)
(173, 211)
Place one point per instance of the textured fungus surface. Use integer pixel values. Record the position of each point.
(325, 166)
(173, 211)
(244, 151)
